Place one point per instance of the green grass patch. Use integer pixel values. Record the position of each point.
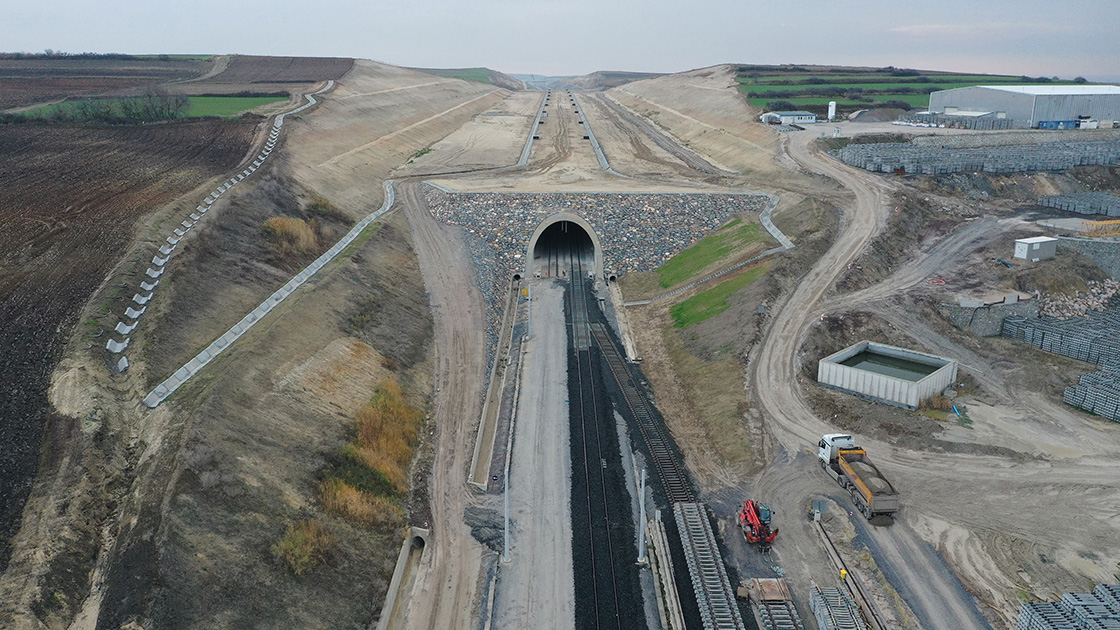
(708, 250)
(226, 106)
(712, 302)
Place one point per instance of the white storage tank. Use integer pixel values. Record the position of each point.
(896, 376)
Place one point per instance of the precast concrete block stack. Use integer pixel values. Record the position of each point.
(1102, 203)
(1099, 610)
(1091, 339)
(835, 610)
(956, 122)
(927, 160)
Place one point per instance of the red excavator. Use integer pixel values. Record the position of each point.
(754, 518)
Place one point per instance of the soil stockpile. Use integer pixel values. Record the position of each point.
(874, 482)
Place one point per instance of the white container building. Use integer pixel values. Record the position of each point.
(1036, 248)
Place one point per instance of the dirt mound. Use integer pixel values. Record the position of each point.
(884, 114)
(375, 120)
(705, 111)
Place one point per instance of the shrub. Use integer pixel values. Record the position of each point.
(941, 403)
(290, 235)
(780, 106)
(370, 470)
(303, 546)
(344, 500)
(320, 206)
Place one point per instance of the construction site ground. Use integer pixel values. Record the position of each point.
(1020, 503)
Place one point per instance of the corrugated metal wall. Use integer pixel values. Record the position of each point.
(1070, 106)
(1025, 109)
(1019, 107)
(887, 389)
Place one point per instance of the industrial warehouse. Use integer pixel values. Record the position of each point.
(1031, 106)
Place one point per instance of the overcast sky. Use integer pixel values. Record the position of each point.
(1033, 37)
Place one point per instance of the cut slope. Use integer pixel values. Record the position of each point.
(606, 79)
(704, 110)
(481, 75)
(376, 118)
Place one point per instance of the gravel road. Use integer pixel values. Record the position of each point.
(793, 423)
(536, 588)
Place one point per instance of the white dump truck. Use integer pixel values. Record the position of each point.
(854, 471)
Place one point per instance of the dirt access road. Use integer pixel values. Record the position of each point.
(942, 603)
(447, 583)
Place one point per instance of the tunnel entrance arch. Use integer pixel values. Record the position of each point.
(562, 225)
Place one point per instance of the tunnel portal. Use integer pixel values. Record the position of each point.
(558, 242)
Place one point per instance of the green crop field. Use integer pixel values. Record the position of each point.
(713, 301)
(868, 89)
(706, 251)
(226, 106)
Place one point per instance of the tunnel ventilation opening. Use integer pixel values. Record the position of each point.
(557, 247)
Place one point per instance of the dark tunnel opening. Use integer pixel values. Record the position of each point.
(561, 245)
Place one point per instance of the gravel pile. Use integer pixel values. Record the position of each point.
(1097, 298)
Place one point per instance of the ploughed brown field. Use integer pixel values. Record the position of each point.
(253, 69)
(30, 81)
(69, 198)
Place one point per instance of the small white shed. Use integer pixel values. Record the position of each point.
(1036, 248)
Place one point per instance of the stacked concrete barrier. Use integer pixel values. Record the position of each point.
(1084, 203)
(957, 122)
(1075, 611)
(926, 160)
(115, 347)
(1091, 339)
(219, 345)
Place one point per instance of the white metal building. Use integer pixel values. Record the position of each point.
(896, 376)
(1032, 106)
(1036, 248)
(789, 118)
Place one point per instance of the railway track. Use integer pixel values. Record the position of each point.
(714, 597)
(604, 576)
(673, 478)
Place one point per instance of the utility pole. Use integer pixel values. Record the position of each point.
(642, 519)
